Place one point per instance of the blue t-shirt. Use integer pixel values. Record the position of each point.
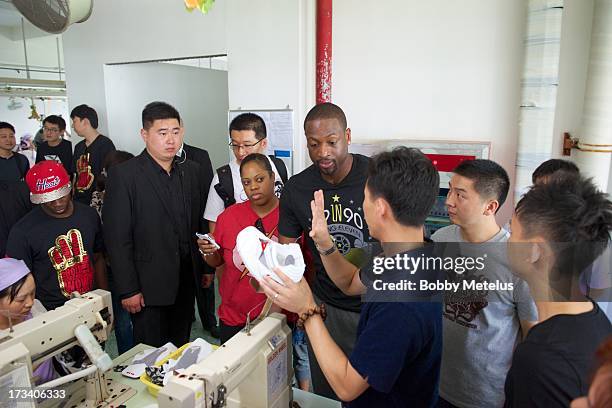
(398, 350)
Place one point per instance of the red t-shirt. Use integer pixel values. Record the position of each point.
(237, 295)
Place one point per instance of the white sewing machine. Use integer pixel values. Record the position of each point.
(252, 369)
(34, 341)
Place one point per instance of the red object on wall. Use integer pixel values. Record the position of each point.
(324, 50)
(448, 162)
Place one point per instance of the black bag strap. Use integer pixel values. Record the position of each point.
(280, 167)
(225, 187)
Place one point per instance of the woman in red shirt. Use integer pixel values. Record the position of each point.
(238, 298)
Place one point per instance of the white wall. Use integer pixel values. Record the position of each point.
(134, 30)
(42, 51)
(438, 69)
(573, 69)
(270, 48)
(200, 96)
(19, 117)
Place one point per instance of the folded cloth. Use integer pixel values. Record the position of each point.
(146, 359)
(260, 255)
(197, 351)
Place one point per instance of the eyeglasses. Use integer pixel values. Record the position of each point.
(244, 146)
(46, 129)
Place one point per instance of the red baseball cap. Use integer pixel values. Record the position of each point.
(47, 181)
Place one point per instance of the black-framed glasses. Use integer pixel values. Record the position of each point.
(259, 225)
(235, 146)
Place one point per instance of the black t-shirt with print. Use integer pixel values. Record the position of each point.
(89, 159)
(62, 153)
(33, 240)
(345, 220)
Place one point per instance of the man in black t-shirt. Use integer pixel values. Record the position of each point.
(558, 230)
(342, 177)
(89, 154)
(13, 166)
(60, 240)
(55, 147)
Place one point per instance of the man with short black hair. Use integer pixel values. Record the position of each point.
(89, 154)
(55, 147)
(152, 211)
(342, 177)
(13, 167)
(559, 228)
(396, 358)
(483, 330)
(247, 135)
(553, 166)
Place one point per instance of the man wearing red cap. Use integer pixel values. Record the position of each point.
(60, 240)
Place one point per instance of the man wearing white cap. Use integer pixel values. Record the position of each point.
(60, 240)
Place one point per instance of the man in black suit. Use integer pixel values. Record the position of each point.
(205, 288)
(153, 208)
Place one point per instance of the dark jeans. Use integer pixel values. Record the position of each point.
(205, 298)
(157, 325)
(227, 332)
(123, 322)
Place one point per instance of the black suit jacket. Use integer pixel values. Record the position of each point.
(201, 157)
(141, 239)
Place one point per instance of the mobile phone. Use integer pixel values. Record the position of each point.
(208, 238)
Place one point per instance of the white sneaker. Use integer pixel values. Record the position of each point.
(260, 254)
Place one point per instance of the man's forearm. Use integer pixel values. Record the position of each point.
(333, 362)
(341, 271)
(101, 280)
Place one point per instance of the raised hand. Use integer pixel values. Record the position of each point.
(319, 232)
(72, 264)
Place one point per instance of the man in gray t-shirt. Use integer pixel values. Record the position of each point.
(480, 328)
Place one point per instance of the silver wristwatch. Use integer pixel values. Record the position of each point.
(328, 251)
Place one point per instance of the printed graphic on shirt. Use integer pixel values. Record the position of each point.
(53, 157)
(463, 306)
(84, 175)
(72, 264)
(345, 223)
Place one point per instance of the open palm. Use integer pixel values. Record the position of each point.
(319, 232)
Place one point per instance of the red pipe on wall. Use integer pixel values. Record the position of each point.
(324, 50)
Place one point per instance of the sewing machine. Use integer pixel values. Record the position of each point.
(253, 368)
(38, 339)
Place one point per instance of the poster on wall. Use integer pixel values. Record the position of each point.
(445, 155)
